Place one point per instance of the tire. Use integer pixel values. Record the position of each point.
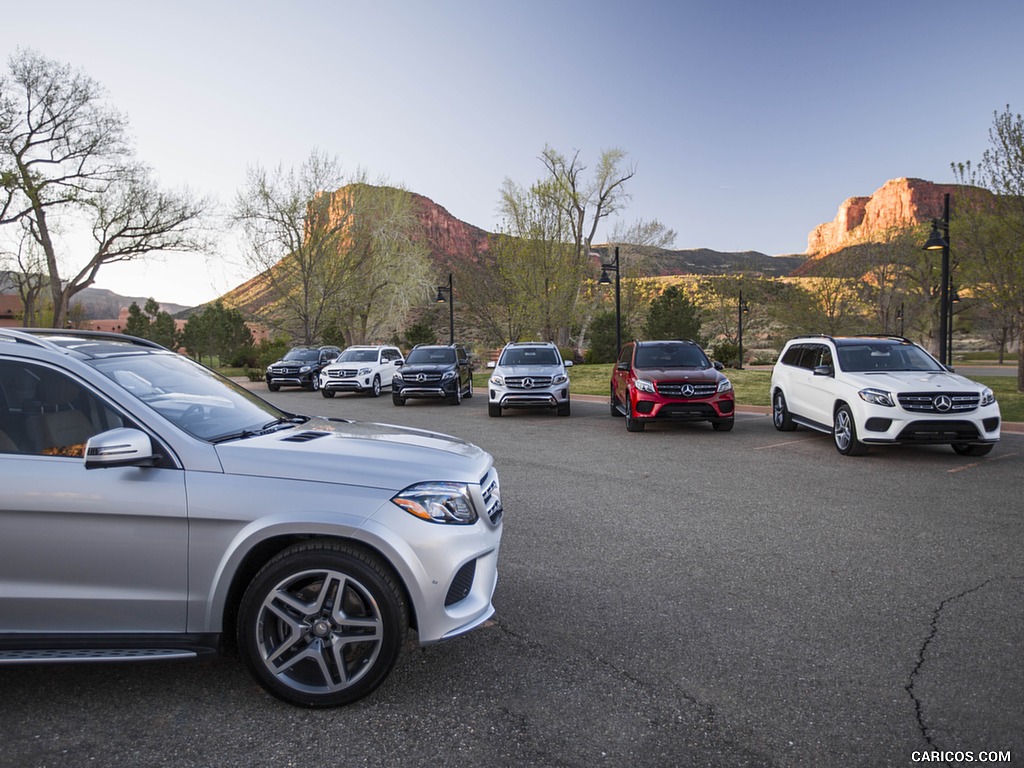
(493, 409)
(614, 405)
(375, 389)
(844, 433)
(456, 399)
(397, 400)
(565, 409)
(314, 383)
(469, 391)
(967, 449)
(273, 387)
(322, 624)
(633, 424)
(327, 392)
(781, 417)
(723, 425)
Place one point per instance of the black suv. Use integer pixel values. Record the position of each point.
(300, 367)
(434, 371)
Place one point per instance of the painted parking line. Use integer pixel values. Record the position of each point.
(974, 464)
(809, 439)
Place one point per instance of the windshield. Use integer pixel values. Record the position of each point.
(867, 357)
(670, 356)
(358, 356)
(529, 356)
(431, 355)
(201, 402)
(303, 355)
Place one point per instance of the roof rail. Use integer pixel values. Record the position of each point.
(40, 337)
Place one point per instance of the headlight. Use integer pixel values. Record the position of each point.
(987, 397)
(644, 385)
(497, 381)
(364, 371)
(561, 378)
(397, 376)
(305, 368)
(438, 503)
(725, 386)
(877, 397)
(448, 375)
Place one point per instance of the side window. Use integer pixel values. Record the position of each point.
(826, 357)
(46, 412)
(792, 356)
(626, 355)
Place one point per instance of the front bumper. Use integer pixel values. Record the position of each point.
(879, 425)
(290, 380)
(427, 390)
(519, 398)
(653, 407)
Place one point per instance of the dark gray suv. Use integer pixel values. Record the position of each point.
(152, 509)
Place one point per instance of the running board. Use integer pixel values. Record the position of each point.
(63, 655)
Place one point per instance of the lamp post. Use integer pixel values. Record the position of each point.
(742, 309)
(937, 242)
(451, 306)
(899, 317)
(605, 280)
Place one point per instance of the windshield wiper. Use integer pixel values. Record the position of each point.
(270, 426)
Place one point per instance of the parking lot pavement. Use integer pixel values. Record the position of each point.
(674, 597)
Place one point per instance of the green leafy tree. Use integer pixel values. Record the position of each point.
(673, 316)
(217, 331)
(152, 323)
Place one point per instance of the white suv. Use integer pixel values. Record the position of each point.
(880, 390)
(361, 369)
(529, 374)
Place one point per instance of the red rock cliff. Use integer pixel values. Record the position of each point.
(898, 203)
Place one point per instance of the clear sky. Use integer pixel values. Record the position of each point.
(749, 122)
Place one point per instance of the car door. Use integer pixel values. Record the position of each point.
(620, 375)
(812, 392)
(82, 550)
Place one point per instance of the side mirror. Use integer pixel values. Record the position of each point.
(121, 447)
(823, 370)
(622, 366)
(492, 364)
(568, 363)
(399, 363)
(718, 366)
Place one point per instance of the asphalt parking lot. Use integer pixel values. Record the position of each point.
(670, 598)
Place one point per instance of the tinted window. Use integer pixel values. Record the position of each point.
(671, 356)
(428, 355)
(529, 356)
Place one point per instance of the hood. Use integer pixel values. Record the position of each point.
(426, 368)
(356, 453)
(908, 381)
(528, 370)
(680, 374)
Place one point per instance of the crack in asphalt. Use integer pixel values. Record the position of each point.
(922, 652)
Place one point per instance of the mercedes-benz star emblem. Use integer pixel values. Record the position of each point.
(687, 390)
(943, 403)
(527, 383)
(421, 377)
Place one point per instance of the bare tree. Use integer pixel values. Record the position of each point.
(66, 167)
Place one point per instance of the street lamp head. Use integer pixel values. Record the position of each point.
(936, 242)
(604, 280)
(440, 295)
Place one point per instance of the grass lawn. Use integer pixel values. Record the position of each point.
(752, 386)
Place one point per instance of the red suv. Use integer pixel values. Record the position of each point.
(670, 380)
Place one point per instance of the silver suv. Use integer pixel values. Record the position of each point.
(867, 390)
(529, 374)
(152, 509)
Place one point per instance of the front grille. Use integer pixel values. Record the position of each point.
(687, 390)
(685, 411)
(939, 402)
(461, 584)
(421, 378)
(939, 432)
(492, 497)
(527, 382)
(347, 373)
(284, 371)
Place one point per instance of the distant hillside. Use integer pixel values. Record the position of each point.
(703, 261)
(98, 303)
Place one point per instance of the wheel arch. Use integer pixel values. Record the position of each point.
(264, 551)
